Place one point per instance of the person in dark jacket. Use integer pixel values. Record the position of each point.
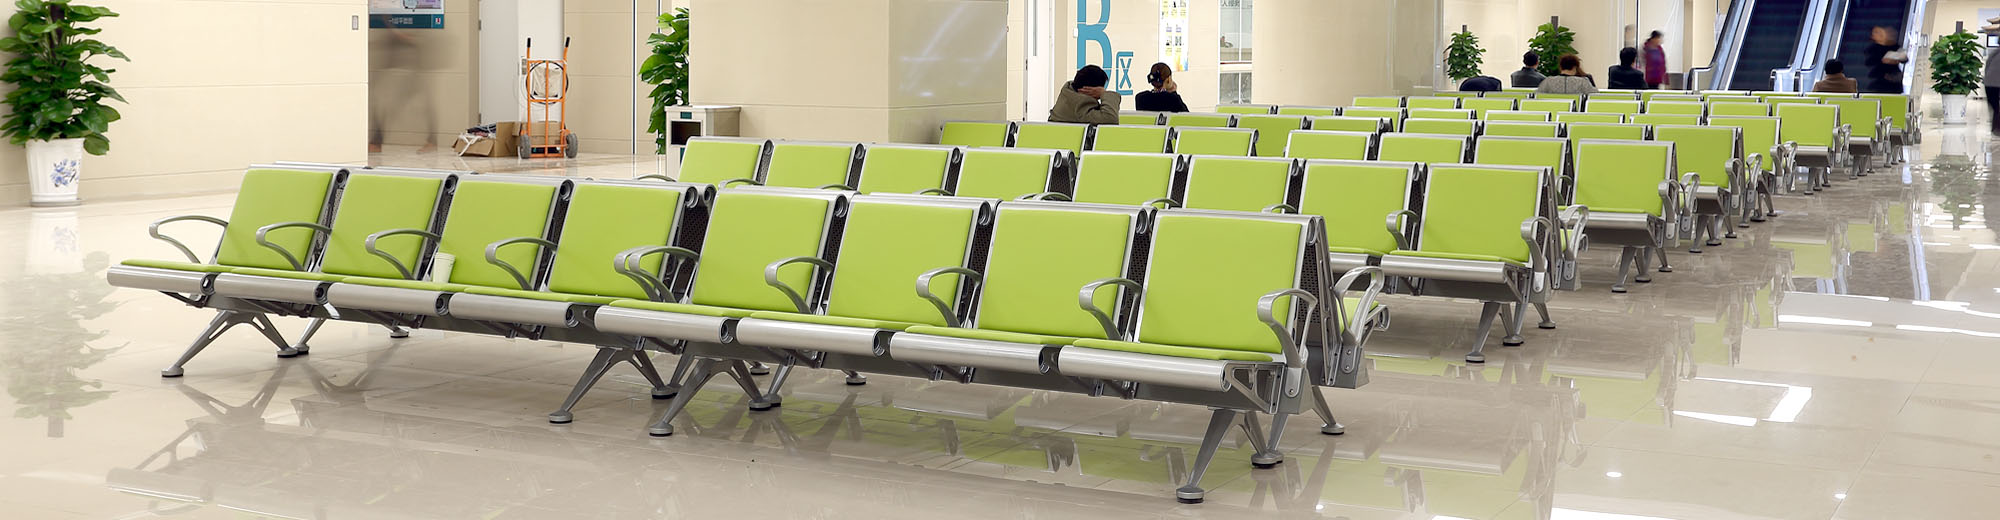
(1165, 96)
(1480, 84)
(1084, 100)
(1624, 75)
(1885, 61)
(1528, 77)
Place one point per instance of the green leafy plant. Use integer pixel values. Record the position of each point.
(1462, 58)
(58, 93)
(1955, 67)
(1551, 42)
(667, 71)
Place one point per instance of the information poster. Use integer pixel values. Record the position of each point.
(406, 14)
(1173, 33)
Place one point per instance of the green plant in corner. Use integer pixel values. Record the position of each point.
(58, 93)
(667, 71)
(1551, 42)
(1462, 58)
(1955, 67)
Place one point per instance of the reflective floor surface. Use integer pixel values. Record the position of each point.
(1836, 362)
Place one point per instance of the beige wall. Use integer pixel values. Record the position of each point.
(607, 103)
(217, 85)
(423, 84)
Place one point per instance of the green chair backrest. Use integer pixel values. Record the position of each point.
(1616, 94)
(1782, 100)
(1199, 119)
(1355, 198)
(1525, 151)
(1206, 271)
(1308, 111)
(1589, 117)
(1665, 119)
(1859, 114)
(270, 195)
(1440, 113)
(1523, 129)
(1540, 104)
(797, 164)
(1694, 98)
(711, 160)
(1351, 124)
(1676, 107)
(1457, 94)
(381, 201)
(1572, 97)
(1237, 183)
(1511, 94)
(1580, 131)
(1423, 148)
(1828, 95)
(1053, 136)
(608, 217)
(1006, 173)
(1623, 176)
(1246, 109)
(1654, 95)
(1763, 94)
(1478, 210)
(1328, 144)
(1130, 138)
(976, 133)
(1517, 115)
(1273, 131)
(1809, 125)
(490, 208)
(1378, 101)
(1738, 109)
(1896, 107)
(750, 228)
(1142, 118)
(1760, 135)
(1430, 102)
(1710, 94)
(1394, 115)
(906, 168)
(1441, 126)
(890, 240)
(1215, 141)
(1125, 178)
(1705, 150)
(1612, 106)
(1025, 292)
(1479, 106)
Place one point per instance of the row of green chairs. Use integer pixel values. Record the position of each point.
(1201, 136)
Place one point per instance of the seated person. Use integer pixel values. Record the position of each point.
(1624, 75)
(1570, 81)
(1165, 96)
(1480, 84)
(1836, 79)
(1528, 77)
(1084, 100)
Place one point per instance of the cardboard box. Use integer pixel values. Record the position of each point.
(544, 133)
(480, 147)
(506, 135)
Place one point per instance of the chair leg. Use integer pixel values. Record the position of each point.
(757, 368)
(396, 332)
(216, 326)
(855, 378)
(1542, 309)
(599, 365)
(1662, 252)
(1715, 224)
(300, 347)
(698, 375)
(1730, 223)
(644, 363)
(1218, 427)
(1264, 451)
(1487, 312)
(770, 399)
(1700, 227)
(1515, 317)
(1625, 258)
(1330, 425)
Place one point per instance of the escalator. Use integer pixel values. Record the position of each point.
(1769, 42)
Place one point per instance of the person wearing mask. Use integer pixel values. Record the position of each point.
(1083, 99)
(1993, 90)
(1885, 62)
(1528, 77)
(1623, 76)
(1656, 62)
(1480, 84)
(1836, 79)
(1571, 81)
(1165, 96)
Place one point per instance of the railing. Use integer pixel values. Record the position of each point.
(1729, 43)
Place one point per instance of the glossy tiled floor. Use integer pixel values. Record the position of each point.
(1837, 362)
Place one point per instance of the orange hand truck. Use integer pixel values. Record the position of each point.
(548, 90)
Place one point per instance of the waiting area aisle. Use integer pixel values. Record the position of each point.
(1833, 362)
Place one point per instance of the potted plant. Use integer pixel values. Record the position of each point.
(58, 99)
(1956, 71)
(1551, 42)
(1462, 57)
(667, 71)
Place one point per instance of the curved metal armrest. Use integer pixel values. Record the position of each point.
(369, 244)
(1288, 342)
(1046, 195)
(263, 240)
(1086, 298)
(627, 263)
(842, 187)
(1280, 208)
(1396, 226)
(1689, 182)
(154, 231)
(654, 177)
(1574, 220)
(935, 191)
(1356, 326)
(493, 257)
(1532, 232)
(1754, 167)
(944, 308)
(733, 182)
(1162, 202)
(771, 278)
(1739, 177)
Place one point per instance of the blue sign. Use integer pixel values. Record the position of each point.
(406, 21)
(1088, 33)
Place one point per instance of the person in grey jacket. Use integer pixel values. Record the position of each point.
(1083, 99)
(1571, 81)
(1528, 77)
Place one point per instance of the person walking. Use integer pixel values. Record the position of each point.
(1885, 60)
(1656, 62)
(1993, 90)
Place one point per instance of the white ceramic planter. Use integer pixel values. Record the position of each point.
(55, 168)
(1954, 109)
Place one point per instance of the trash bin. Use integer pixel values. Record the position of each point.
(684, 123)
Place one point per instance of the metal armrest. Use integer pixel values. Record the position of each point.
(1396, 225)
(1288, 342)
(654, 177)
(289, 257)
(1163, 203)
(733, 182)
(1280, 208)
(935, 191)
(1356, 326)
(842, 187)
(944, 308)
(1046, 195)
(369, 244)
(1689, 182)
(627, 263)
(1532, 229)
(1574, 220)
(493, 257)
(154, 231)
(771, 278)
(1087, 297)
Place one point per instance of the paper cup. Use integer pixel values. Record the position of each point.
(441, 267)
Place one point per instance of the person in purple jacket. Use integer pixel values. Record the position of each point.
(1656, 62)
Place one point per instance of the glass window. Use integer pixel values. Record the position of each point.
(1235, 88)
(1236, 30)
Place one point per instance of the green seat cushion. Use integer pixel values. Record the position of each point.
(375, 203)
(1172, 350)
(1139, 119)
(683, 308)
(177, 266)
(1623, 174)
(1207, 141)
(1025, 291)
(749, 230)
(1117, 178)
(709, 161)
(1051, 136)
(809, 165)
(839, 321)
(1207, 120)
(271, 196)
(1354, 251)
(974, 133)
(1431, 102)
(1307, 111)
(894, 169)
(1394, 115)
(1273, 132)
(1329, 145)
(1202, 295)
(1355, 198)
(484, 212)
(1348, 124)
(1456, 256)
(885, 246)
(1522, 129)
(287, 274)
(1594, 209)
(1478, 211)
(546, 296)
(1237, 184)
(1129, 138)
(1421, 148)
(992, 335)
(1005, 175)
(398, 283)
(604, 220)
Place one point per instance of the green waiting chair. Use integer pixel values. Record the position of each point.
(1424, 148)
(976, 133)
(1540, 152)
(1479, 106)
(717, 161)
(1589, 117)
(1739, 109)
(1902, 121)
(1133, 117)
(1676, 107)
(1523, 129)
(1051, 136)
(1485, 233)
(1273, 131)
(1518, 115)
(1247, 109)
(1542, 104)
(1675, 98)
(908, 168)
(1820, 136)
(1309, 111)
(1664, 119)
(1869, 130)
(813, 165)
(1440, 113)
(1328, 144)
(1395, 116)
(1612, 106)
(1650, 96)
(1715, 154)
(1131, 138)
(1240, 142)
(1133, 179)
(1373, 125)
(1356, 198)
(1467, 127)
(1378, 101)
(1766, 156)
(1431, 102)
(1784, 100)
(1510, 94)
(1240, 184)
(1632, 200)
(1629, 132)
(1008, 173)
(1615, 95)
(1196, 119)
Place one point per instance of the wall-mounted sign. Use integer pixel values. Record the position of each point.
(1092, 35)
(1173, 33)
(406, 14)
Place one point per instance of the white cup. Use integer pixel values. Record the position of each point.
(441, 267)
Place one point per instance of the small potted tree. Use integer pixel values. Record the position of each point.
(1551, 42)
(1463, 58)
(58, 108)
(1956, 71)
